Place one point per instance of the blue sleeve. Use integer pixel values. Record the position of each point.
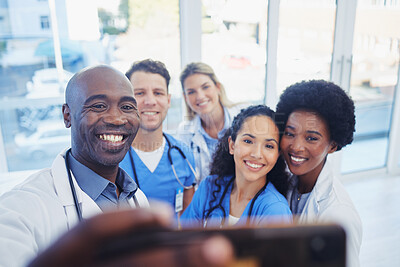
(276, 213)
(193, 215)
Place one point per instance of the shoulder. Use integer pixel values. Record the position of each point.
(30, 213)
(176, 142)
(273, 194)
(126, 161)
(339, 201)
(208, 181)
(211, 182)
(40, 182)
(34, 202)
(181, 145)
(187, 126)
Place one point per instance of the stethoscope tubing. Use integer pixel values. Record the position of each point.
(71, 184)
(219, 205)
(170, 148)
(73, 191)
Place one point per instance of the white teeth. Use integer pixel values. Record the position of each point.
(111, 137)
(149, 113)
(297, 159)
(253, 165)
(203, 103)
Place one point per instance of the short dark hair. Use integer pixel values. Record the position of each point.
(326, 99)
(151, 66)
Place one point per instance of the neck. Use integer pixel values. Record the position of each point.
(308, 180)
(244, 190)
(108, 172)
(213, 122)
(148, 140)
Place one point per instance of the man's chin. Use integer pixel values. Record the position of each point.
(111, 157)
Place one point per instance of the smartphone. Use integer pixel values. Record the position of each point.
(281, 246)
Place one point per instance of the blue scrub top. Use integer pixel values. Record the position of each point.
(270, 206)
(162, 184)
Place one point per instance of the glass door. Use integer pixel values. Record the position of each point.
(374, 75)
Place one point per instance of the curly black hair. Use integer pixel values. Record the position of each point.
(325, 98)
(223, 163)
(151, 66)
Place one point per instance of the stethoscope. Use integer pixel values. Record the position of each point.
(73, 191)
(219, 206)
(170, 148)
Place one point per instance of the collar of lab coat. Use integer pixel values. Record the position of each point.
(63, 189)
(321, 191)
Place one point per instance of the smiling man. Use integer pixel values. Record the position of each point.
(149, 161)
(102, 113)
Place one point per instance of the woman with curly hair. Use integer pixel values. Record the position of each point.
(317, 118)
(248, 180)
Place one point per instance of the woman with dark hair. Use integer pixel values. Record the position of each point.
(317, 118)
(248, 178)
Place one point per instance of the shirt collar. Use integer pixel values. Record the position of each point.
(94, 185)
(227, 123)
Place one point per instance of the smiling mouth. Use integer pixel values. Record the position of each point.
(150, 113)
(203, 103)
(297, 159)
(113, 138)
(253, 165)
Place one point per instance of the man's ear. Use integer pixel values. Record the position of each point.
(67, 115)
(333, 147)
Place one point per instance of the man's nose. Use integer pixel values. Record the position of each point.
(149, 99)
(115, 116)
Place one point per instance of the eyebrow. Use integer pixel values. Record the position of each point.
(312, 132)
(267, 139)
(93, 97)
(315, 132)
(128, 99)
(123, 99)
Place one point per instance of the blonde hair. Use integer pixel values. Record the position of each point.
(202, 68)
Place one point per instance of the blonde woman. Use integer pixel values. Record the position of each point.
(209, 113)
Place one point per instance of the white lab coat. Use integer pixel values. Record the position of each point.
(38, 211)
(329, 202)
(189, 133)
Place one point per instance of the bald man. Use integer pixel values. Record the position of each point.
(102, 113)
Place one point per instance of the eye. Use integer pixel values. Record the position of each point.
(128, 107)
(99, 106)
(138, 93)
(311, 138)
(205, 87)
(190, 92)
(247, 141)
(270, 146)
(286, 133)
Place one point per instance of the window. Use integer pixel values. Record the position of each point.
(44, 22)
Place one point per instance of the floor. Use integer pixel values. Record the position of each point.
(377, 200)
